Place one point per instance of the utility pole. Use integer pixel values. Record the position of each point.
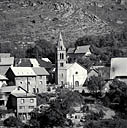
(73, 82)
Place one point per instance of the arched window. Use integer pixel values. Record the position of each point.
(76, 83)
(62, 56)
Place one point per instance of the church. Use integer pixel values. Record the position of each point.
(72, 75)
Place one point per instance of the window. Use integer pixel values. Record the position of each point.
(75, 116)
(21, 107)
(61, 56)
(61, 64)
(61, 82)
(21, 82)
(34, 90)
(31, 100)
(31, 107)
(22, 101)
(37, 90)
(61, 47)
(62, 75)
(77, 83)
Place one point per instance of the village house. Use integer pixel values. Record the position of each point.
(3, 83)
(33, 62)
(100, 71)
(118, 69)
(5, 62)
(71, 74)
(32, 79)
(22, 76)
(22, 103)
(41, 79)
(78, 52)
(5, 91)
(92, 72)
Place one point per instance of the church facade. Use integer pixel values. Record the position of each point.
(70, 74)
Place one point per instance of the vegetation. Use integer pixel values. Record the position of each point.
(104, 47)
(95, 84)
(13, 122)
(55, 115)
(116, 98)
(106, 124)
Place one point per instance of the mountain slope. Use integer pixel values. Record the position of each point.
(28, 20)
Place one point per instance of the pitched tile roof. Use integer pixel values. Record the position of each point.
(3, 77)
(3, 69)
(34, 62)
(68, 66)
(82, 49)
(5, 55)
(46, 59)
(23, 71)
(7, 61)
(22, 62)
(8, 88)
(40, 71)
(45, 64)
(71, 50)
(25, 95)
(118, 67)
(29, 62)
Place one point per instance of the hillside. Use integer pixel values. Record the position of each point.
(29, 20)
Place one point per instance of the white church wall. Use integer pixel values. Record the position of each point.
(76, 73)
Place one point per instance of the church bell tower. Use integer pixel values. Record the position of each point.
(60, 62)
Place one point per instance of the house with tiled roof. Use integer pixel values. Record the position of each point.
(5, 63)
(41, 78)
(21, 103)
(32, 62)
(5, 91)
(32, 79)
(79, 51)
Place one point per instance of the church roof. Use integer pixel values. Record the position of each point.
(82, 49)
(71, 50)
(60, 42)
(71, 64)
(68, 65)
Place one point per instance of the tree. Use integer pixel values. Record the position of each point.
(13, 122)
(117, 94)
(95, 84)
